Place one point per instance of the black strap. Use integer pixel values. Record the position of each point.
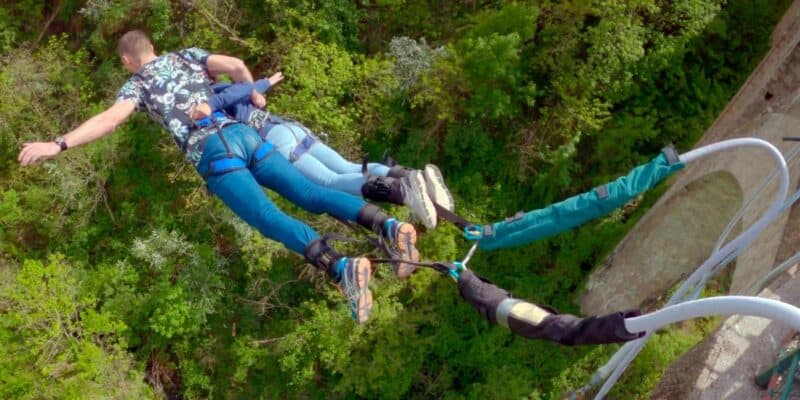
(441, 267)
(451, 217)
(182, 57)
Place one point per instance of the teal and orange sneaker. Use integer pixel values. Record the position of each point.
(402, 238)
(354, 275)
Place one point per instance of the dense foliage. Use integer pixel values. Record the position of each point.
(120, 277)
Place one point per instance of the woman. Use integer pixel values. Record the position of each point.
(418, 190)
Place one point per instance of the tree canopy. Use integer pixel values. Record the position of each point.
(120, 277)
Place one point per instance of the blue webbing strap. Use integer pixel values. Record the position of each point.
(302, 147)
(263, 150)
(225, 165)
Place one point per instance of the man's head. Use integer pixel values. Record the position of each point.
(135, 49)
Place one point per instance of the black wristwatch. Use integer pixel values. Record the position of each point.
(61, 142)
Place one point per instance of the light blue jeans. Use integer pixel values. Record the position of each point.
(321, 164)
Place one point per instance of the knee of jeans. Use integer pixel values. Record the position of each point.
(325, 179)
(315, 197)
(265, 211)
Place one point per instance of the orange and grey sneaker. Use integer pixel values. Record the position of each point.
(354, 275)
(402, 238)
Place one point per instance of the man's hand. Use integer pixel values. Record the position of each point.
(37, 151)
(275, 79)
(200, 111)
(235, 68)
(258, 99)
(94, 128)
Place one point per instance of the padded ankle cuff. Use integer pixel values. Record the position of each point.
(322, 256)
(372, 217)
(398, 171)
(383, 188)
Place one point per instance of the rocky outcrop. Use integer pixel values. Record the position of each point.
(680, 230)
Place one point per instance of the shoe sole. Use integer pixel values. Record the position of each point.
(437, 188)
(363, 272)
(420, 202)
(406, 239)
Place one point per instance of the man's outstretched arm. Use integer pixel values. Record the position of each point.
(94, 128)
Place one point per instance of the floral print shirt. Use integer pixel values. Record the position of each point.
(168, 88)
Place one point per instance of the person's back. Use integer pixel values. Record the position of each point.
(168, 88)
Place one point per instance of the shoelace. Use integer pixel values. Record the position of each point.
(350, 285)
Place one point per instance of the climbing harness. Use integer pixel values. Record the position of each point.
(303, 146)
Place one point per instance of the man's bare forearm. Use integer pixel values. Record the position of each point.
(231, 66)
(237, 70)
(94, 128)
(242, 73)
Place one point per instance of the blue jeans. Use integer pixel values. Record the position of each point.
(320, 163)
(239, 189)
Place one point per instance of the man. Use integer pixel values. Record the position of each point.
(234, 160)
(398, 185)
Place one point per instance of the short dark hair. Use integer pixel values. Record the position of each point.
(133, 43)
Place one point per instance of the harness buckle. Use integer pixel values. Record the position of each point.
(452, 270)
(303, 147)
(216, 118)
(473, 232)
